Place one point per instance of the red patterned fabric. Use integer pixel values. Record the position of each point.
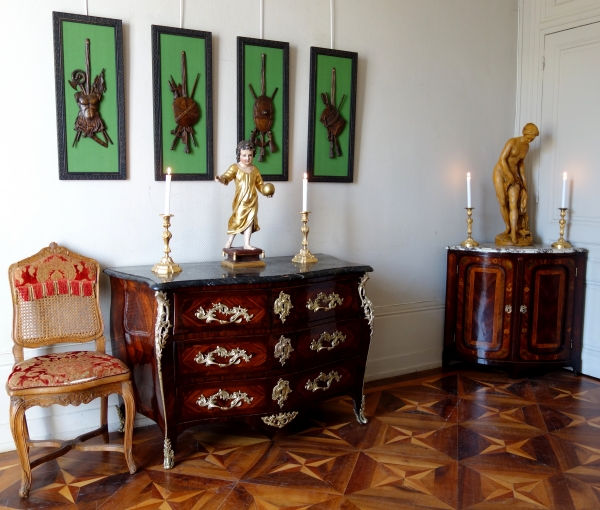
(55, 275)
(64, 369)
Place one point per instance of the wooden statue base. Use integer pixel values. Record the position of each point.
(240, 257)
(522, 240)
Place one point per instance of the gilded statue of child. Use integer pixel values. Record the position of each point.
(248, 182)
(511, 188)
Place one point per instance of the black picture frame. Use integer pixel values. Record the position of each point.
(321, 167)
(84, 157)
(168, 44)
(274, 167)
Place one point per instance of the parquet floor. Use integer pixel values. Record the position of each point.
(464, 438)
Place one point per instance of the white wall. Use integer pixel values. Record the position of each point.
(436, 88)
(544, 19)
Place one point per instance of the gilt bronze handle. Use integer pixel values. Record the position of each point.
(234, 355)
(237, 398)
(324, 302)
(322, 378)
(333, 339)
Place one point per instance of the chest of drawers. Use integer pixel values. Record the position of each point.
(210, 344)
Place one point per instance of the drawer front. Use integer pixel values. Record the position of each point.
(331, 299)
(296, 389)
(221, 399)
(328, 379)
(219, 311)
(222, 357)
(329, 342)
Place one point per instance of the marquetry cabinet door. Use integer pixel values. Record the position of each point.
(484, 307)
(546, 309)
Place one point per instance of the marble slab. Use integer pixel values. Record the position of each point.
(536, 248)
(277, 269)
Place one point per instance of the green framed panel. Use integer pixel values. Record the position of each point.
(250, 64)
(332, 115)
(90, 99)
(183, 119)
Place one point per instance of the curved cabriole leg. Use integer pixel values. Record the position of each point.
(18, 427)
(359, 410)
(127, 394)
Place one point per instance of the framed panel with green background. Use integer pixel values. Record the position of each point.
(182, 84)
(332, 115)
(90, 98)
(274, 101)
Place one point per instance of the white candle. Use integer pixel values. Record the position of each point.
(469, 190)
(168, 191)
(305, 193)
(564, 191)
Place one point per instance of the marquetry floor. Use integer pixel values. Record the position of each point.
(464, 438)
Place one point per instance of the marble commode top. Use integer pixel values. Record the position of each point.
(536, 248)
(278, 269)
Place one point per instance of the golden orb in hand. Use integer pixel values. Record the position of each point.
(268, 189)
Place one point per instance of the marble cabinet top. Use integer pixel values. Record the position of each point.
(536, 248)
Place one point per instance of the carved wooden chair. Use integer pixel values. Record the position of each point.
(55, 300)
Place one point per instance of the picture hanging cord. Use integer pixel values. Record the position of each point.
(261, 19)
(331, 20)
(180, 13)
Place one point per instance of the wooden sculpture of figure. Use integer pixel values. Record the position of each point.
(511, 188)
(248, 182)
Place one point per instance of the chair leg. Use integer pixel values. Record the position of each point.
(18, 427)
(127, 394)
(104, 417)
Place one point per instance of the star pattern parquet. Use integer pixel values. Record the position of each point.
(461, 438)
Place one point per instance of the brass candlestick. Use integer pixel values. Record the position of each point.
(561, 243)
(469, 242)
(166, 265)
(305, 256)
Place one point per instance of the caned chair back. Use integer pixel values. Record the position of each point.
(55, 300)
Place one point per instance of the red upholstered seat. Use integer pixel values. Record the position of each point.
(64, 369)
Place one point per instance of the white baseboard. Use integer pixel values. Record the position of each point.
(406, 338)
(399, 365)
(590, 360)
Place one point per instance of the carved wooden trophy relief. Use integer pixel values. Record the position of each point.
(185, 109)
(332, 119)
(263, 112)
(89, 122)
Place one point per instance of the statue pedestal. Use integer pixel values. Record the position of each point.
(522, 240)
(240, 257)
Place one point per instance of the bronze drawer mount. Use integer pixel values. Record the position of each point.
(333, 339)
(237, 398)
(237, 314)
(322, 378)
(235, 356)
(328, 302)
